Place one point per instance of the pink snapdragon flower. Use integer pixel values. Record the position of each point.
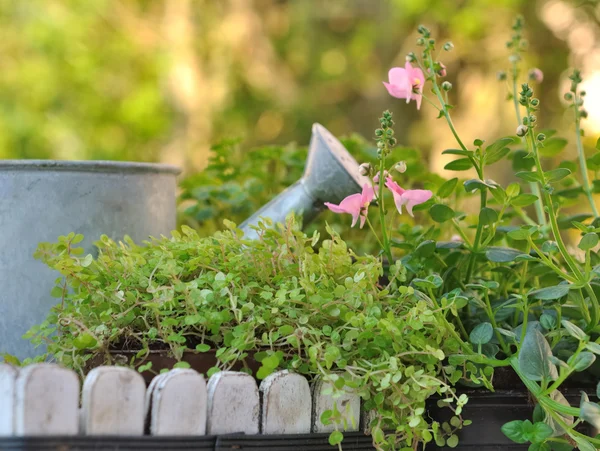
(355, 204)
(406, 83)
(408, 197)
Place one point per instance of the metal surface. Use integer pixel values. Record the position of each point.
(40, 200)
(330, 175)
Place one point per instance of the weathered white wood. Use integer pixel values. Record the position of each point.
(46, 401)
(178, 404)
(233, 404)
(348, 404)
(8, 376)
(113, 402)
(286, 404)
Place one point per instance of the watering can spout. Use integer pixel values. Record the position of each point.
(330, 175)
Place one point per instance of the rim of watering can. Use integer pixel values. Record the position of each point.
(101, 166)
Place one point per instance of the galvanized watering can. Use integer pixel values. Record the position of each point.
(330, 175)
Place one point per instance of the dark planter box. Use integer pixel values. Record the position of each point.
(306, 442)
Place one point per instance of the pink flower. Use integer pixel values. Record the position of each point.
(536, 75)
(355, 204)
(408, 197)
(406, 83)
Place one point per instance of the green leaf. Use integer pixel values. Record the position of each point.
(539, 446)
(514, 431)
(447, 188)
(548, 322)
(441, 213)
(501, 254)
(182, 365)
(501, 143)
(488, 216)
(202, 347)
(335, 437)
(574, 331)
(556, 175)
(523, 200)
(598, 390)
(452, 441)
(496, 155)
(464, 153)
(528, 176)
(481, 334)
(598, 144)
(462, 164)
(534, 357)
(594, 347)
(584, 445)
(552, 147)
(85, 341)
(522, 161)
(588, 241)
(550, 293)
(473, 184)
(590, 412)
(582, 362)
(540, 432)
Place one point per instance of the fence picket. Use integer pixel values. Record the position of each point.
(113, 402)
(348, 404)
(233, 404)
(286, 404)
(178, 404)
(46, 401)
(8, 375)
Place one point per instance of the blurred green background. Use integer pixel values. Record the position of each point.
(163, 80)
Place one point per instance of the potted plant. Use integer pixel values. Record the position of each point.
(460, 312)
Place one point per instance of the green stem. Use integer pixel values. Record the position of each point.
(535, 190)
(564, 373)
(386, 240)
(374, 233)
(483, 191)
(492, 318)
(582, 162)
(550, 207)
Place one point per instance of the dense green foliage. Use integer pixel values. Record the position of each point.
(315, 308)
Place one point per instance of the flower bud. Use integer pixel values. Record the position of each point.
(501, 75)
(532, 118)
(411, 57)
(380, 144)
(440, 69)
(522, 130)
(514, 58)
(364, 169)
(422, 29)
(583, 113)
(582, 93)
(400, 167)
(526, 120)
(431, 42)
(540, 137)
(379, 132)
(536, 75)
(448, 46)
(535, 102)
(421, 41)
(568, 96)
(446, 86)
(376, 178)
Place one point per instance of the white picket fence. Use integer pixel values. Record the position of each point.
(44, 399)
